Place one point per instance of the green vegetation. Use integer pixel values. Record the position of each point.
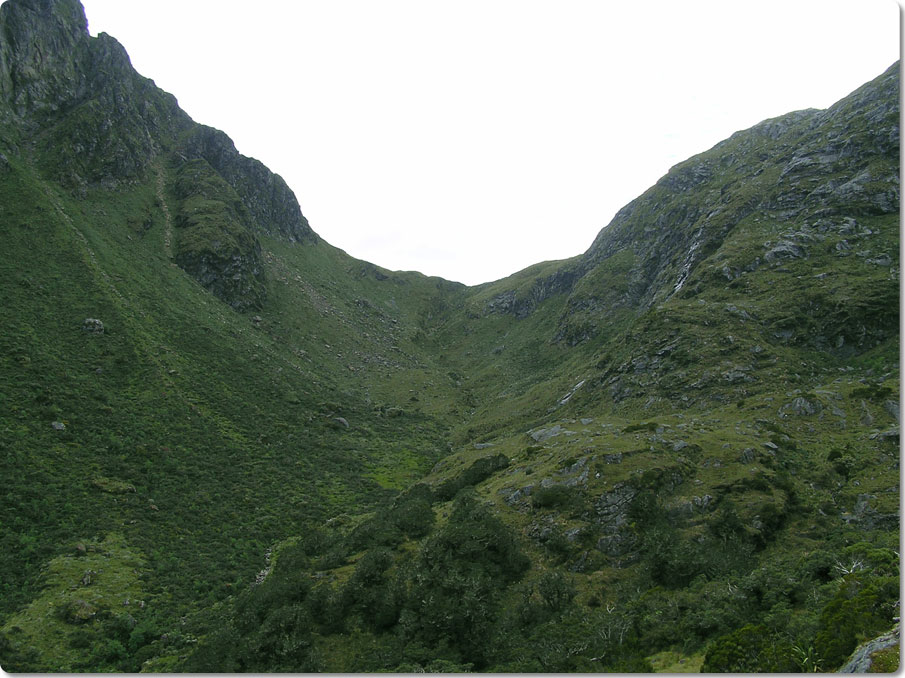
(228, 446)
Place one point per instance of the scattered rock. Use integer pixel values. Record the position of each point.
(93, 326)
(867, 418)
(784, 250)
(543, 434)
(79, 611)
(701, 503)
(568, 396)
(58, 425)
(891, 434)
(612, 514)
(801, 407)
(512, 496)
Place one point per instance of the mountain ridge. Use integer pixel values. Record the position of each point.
(230, 446)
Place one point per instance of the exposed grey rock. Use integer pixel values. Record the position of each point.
(736, 375)
(801, 407)
(860, 661)
(891, 434)
(543, 434)
(577, 467)
(560, 282)
(702, 503)
(882, 260)
(512, 496)
(270, 202)
(867, 517)
(482, 446)
(784, 250)
(612, 515)
(867, 419)
(93, 326)
(58, 425)
(568, 396)
(229, 261)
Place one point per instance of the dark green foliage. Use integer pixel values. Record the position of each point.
(458, 581)
(556, 590)
(750, 649)
(214, 242)
(270, 630)
(643, 426)
(553, 496)
(370, 593)
(862, 608)
(480, 470)
(16, 654)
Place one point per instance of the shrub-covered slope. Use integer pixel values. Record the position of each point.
(229, 446)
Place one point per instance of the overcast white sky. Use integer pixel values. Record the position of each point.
(472, 138)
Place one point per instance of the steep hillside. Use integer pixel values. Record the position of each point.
(229, 446)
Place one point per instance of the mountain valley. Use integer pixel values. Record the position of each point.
(229, 446)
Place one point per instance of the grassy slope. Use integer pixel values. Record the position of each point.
(185, 416)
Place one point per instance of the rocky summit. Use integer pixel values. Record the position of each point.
(228, 446)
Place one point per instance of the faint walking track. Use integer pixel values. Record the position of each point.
(168, 230)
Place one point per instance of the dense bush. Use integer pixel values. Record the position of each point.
(863, 607)
(457, 582)
(750, 649)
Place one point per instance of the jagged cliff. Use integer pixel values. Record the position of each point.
(79, 106)
(800, 180)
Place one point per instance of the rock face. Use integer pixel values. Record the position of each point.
(269, 201)
(861, 659)
(93, 118)
(521, 306)
(214, 242)
(803, 180)
(94, 121)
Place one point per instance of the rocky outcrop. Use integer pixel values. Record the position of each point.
(93, 119)
(804, 177)
(269, 201)
(521, 305)
(42, 43)
(214, 241)
(862, 658)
